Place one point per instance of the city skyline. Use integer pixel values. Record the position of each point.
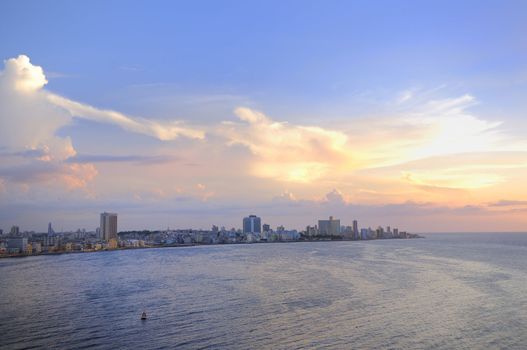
(106, 237)
(108, 227)
(181, 115)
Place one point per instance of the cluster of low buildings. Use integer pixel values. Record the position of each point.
(332, 229)
(17, 243)
(106, 236)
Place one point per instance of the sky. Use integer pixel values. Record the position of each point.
(186, 114)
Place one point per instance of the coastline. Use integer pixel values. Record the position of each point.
(201, 244)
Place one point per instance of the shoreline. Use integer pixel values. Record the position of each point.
(200, 244)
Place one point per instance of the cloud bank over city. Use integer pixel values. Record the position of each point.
(187, 126)
(432, 160)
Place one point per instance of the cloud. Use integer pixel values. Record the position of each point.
(32, 153)
(429, 155)
(335, 196)
(30, 117)
(21, 75)
(285, 151)
(53, 175)
(97, 158)
(435, 127)
(432, 150)
(25, 82)
(405, 96)
(285, 196)
(387, 147)
(452, 178)
(163, 131)
(416, 216)
(204, 193)
(508, 203)
(27, 122)
(453, 130)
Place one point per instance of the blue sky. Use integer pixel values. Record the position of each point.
(284, 52)
(326, 64)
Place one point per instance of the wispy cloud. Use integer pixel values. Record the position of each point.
(98, 158)
(508, 203)
(164, 131)
(130, 67)
(73, 175)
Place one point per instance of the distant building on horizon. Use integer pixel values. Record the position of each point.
(51, 232)
(108, 228)
(379, 232)
(365, 233)
(252, 224)
(329, 227)
(356, 230)
(311, 231)
(15, 231)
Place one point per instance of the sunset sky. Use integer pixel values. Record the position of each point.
(187, 114)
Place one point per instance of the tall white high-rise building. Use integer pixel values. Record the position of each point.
(108, 226)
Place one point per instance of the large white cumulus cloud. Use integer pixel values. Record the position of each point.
(30, 150)
(27, 120)
(21, 75)
(30, 116)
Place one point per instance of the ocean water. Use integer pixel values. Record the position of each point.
(448, 291)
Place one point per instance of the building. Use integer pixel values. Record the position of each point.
(379, 233)
(311, 231)
(18, 244)
(266, 227)
(37, 247)
(108, 228)
(51, 241)
(356, 232)
(364, 233)
(51, 232)
(289, 235)
(112, 242)
(329, 227)
(252, 224)
(347, 232)
(15, 231)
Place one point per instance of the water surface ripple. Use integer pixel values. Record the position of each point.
(466, 291)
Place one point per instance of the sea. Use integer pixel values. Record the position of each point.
(446, 291)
